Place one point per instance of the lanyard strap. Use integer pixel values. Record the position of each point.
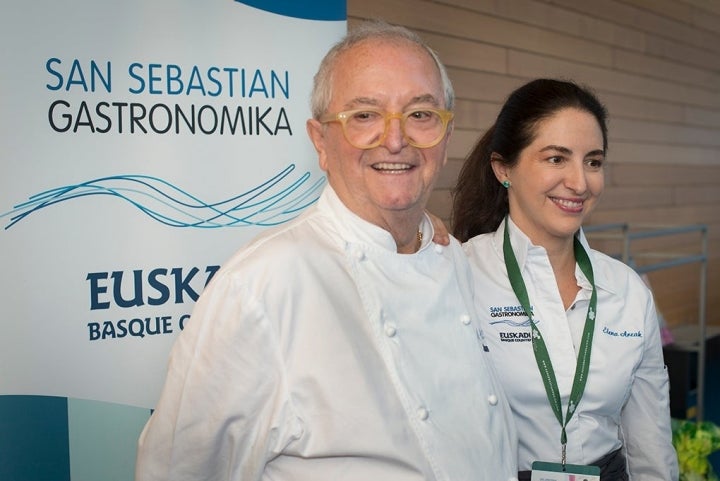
(540, 349)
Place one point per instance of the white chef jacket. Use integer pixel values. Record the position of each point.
(320, 353)
(626, 399)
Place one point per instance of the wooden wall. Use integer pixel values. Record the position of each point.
(656, 66)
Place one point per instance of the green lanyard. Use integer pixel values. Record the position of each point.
(541, 354)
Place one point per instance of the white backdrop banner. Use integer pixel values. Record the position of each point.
(142, 143)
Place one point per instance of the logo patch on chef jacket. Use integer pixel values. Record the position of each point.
(510, 316)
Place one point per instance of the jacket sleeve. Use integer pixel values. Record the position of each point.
(224, 409)
(646, 415)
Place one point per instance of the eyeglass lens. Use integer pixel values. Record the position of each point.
(367, 128)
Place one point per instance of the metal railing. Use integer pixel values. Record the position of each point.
(628, 234)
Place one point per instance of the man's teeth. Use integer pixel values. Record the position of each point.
(391, 166)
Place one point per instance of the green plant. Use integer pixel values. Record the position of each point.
(694, 442)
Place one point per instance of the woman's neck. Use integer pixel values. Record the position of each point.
(561, 254)
(562, 260)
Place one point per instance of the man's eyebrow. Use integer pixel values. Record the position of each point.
(360, 101)
(421, 99)
(369, 101)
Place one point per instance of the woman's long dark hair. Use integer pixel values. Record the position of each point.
(480, 202)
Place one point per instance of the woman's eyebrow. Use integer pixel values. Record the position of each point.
(557, 148)
(566, 151)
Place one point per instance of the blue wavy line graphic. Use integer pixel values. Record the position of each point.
(510, 322)
(276, 200)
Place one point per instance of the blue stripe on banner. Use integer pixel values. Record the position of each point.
(311, 9)
(34, 439)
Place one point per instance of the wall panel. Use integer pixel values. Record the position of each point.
(655, 64)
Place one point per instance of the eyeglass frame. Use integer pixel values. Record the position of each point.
(446, 116)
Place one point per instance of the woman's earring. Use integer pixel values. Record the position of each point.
(506, 184)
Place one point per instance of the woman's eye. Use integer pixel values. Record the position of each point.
(595, 163)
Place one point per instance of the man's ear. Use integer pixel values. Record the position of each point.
(316, 132)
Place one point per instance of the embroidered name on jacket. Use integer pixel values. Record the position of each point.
(610, 332)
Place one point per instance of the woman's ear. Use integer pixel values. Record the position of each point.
(499, 167)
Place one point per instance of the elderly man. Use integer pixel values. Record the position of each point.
(343, 345)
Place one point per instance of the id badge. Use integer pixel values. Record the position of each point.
(544, 471)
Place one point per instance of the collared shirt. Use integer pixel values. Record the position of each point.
(626, 399)
(320, 353)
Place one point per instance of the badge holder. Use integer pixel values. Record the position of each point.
(544, 471)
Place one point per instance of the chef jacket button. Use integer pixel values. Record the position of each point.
(423, 414)
(465, 319)
(390, 330)
(439, 249)
(360, 255)
(492, 400)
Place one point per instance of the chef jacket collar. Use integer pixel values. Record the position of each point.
(354, 229)
(523, 247)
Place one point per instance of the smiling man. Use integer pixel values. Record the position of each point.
(344, 344)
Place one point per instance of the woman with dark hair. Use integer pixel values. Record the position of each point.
(573, 332)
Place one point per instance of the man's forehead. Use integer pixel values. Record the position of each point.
(365, 75)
